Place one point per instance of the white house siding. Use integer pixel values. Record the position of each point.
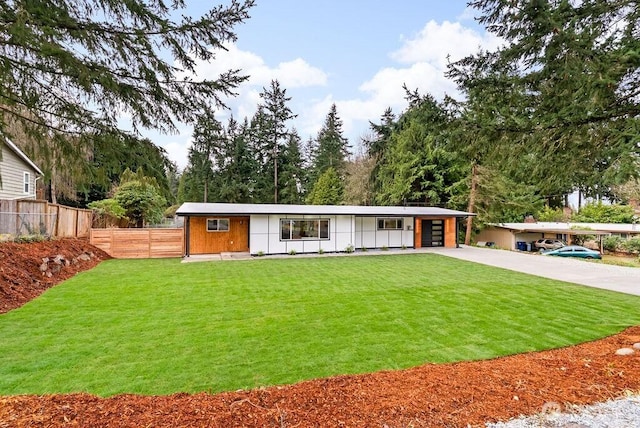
(12, 168)
(367, 234)
(264, 235)
(344, 231)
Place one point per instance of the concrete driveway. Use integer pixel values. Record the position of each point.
(599, 275)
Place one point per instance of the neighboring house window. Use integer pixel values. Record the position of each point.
(299, 229)
(390, 223)
(217, 224)
(27, 183)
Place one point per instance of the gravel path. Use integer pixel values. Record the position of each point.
(620, 413)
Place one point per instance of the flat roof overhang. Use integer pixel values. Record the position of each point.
(208, 209)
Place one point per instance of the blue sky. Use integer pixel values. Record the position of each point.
(354, 53)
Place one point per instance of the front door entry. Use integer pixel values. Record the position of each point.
(433, 233)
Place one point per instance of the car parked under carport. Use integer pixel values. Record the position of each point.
(574, 251)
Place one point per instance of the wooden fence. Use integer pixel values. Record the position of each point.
(36, 217)
(139, 243)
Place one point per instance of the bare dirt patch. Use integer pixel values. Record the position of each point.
(443, 395)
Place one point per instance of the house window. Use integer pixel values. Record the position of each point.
(392, 223)
(217, 225)
(27, 183)
(299, 229)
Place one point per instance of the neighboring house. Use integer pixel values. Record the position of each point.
(18, 173)
(212, 228)
(507, 235)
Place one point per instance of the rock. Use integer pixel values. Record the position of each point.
(59, 259)
(84, 257)
(636, 346)
(44, 266)
(625, 351)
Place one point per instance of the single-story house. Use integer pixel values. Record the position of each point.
(212, 228)
(18, 172)
(507, 235)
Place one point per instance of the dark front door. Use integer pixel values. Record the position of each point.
(433, 233)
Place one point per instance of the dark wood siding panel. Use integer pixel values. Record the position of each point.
(203, 242)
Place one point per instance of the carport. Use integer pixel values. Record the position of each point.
(507, 235)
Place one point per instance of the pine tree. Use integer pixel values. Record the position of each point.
(559, 100)
(74, 67)
(271, 134)
(293, 175)
(327, 190)
(332, 148)
(203, 158)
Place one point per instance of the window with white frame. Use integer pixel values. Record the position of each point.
(27, 183)
(292, 229)
(217, 225)
(390, 223)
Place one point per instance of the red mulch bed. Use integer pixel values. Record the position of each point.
(444, 395)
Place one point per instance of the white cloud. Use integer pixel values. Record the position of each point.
(291, 74)
(420, 63)
(178, 151)
(435, 42)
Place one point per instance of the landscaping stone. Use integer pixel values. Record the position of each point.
(636, 346)
(625, 351)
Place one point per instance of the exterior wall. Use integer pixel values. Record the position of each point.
(503, 238)
(264, 235)
(367, 234)
(12, 168)
(203, 242)
(449, 231)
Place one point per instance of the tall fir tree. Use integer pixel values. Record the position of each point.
(203, 159)
(332, 148)
(271, 136)
(72, 68)
(293, 176)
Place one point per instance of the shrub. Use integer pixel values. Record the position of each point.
(384, 248)
(260, 253)
(320, 251)
(611, 243)
(349, 249)
(631, 245)
(292, 252)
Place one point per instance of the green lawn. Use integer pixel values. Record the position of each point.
(159, 326)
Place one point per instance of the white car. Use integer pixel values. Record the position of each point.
(549, 244)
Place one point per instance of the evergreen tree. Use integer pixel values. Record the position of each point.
(378, 144)
(419, 165)
(293, 175)
(271, 136)
(560, 97)
(204, 158)
(332, 148)
(235, 166)
(73, 67)
(328, 189)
